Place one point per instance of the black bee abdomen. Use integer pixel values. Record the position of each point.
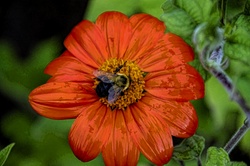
(102, 89)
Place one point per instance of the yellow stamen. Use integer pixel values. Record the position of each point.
(134, 92)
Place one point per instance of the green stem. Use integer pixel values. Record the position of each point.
(214, 67)
(181, 163)
(199, 163)
(222, 7)
(226, 81)
(237, 137)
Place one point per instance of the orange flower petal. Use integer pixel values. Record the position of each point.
(68, 68)
(71, 78)
(58, 100)
(178, 47)
(149, 134)
(180, 116)
(169, 52)
(120, 149)
(182, 83)
(147, 30)
(87, 43)
(90, 131)
(67, 64)
(117, 31)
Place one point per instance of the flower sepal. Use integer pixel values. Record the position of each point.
(189, 149)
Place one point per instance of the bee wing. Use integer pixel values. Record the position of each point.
(104, 76)
(114, 93)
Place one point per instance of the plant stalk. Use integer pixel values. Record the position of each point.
(237, 137)
(216, 70)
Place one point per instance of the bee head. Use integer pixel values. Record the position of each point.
(122, 81)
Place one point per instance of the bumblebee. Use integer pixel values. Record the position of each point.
(111, 85)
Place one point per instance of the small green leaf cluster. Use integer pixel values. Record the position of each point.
(192, 148)
(218, 156)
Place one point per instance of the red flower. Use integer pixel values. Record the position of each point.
(127, 84)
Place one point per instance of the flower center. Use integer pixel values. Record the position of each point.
(119, 83)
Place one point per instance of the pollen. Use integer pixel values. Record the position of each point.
(129, 95)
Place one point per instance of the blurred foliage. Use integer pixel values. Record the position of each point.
(17, 77)
(41, 142)
(127, 7)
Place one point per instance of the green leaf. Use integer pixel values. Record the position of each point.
(238, 52)
(247, 8)
(239, 31)
(190, 148)
(237, 46)
(4, 153)
(199, 10)
(218, 156)
(150, 7)
(234, 8)
(178, 21)
(182, 16)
